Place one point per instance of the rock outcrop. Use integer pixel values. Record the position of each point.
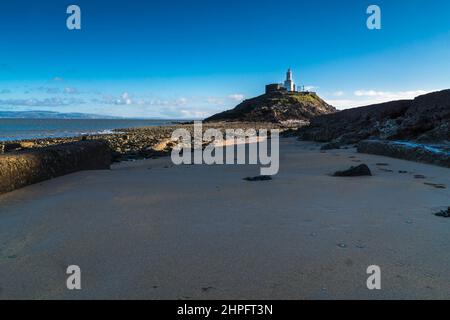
(358, 171)
(19, 169)
(437, 155)
(277, 107)
(424, 119)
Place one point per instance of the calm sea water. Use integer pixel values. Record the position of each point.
(20, 129)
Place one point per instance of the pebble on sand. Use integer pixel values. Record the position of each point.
(443, 213)
(258, 178)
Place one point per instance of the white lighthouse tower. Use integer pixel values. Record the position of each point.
(289, 84)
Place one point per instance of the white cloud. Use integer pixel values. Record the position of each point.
(70, 90)
(338, 93)
(236, 97)
(311, 88)
(124, 99)
(194, 114)
(181, 101)
(369, 97)
(48, 102)
(394, 95)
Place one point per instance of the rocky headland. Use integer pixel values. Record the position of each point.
(287, 108)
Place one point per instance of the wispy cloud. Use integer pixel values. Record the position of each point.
(70, 90)
(311, 88)
(236, 97)
(367, 97)
(194, 114)
(124, 99)
(390, 94)
(47, 102)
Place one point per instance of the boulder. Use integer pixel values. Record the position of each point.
(443, 213)
(361, 170)
(8, 147)
(331, 146)
(258, 178)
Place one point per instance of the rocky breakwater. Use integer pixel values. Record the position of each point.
(21, 168)
(136, 143)
(26, 162)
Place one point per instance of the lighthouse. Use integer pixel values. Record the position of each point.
(289, 84)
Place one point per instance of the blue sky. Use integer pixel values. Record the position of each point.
(188, 59)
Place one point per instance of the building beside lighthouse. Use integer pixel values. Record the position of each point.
(288, 84)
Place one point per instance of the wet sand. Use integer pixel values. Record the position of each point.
(150, 230)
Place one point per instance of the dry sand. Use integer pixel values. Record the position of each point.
(150, 230)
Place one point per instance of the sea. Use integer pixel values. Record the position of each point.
(24, 129)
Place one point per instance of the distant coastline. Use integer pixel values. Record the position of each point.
(16, 129)
(38, 114)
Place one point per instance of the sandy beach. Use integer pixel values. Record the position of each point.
(151, 230)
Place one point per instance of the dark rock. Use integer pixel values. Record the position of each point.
(436, 185)
(426, 119)
(331, 146)
(419, 176)
(407, 151)
(8, 147)
(443, 213)
(258, 178)
(361, 170)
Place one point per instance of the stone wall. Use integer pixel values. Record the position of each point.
(22, 168)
